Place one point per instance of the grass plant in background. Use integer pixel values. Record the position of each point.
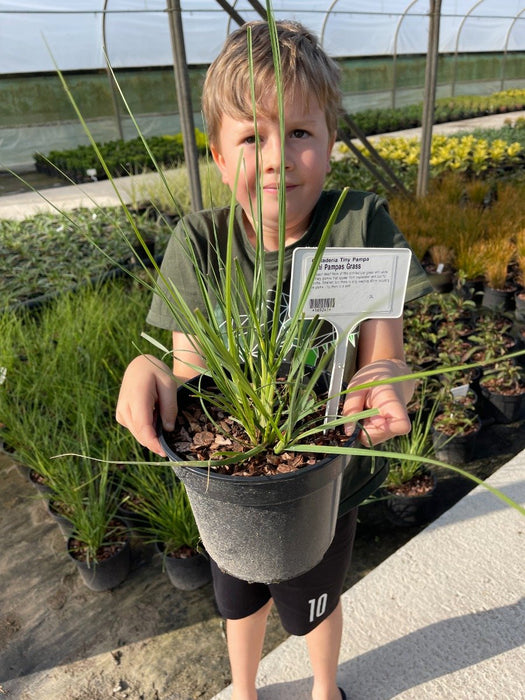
(497, 253)
(417, 444)
(170, 194)
(62, 371)
(160, 501)
(91, 497)
(50, 253)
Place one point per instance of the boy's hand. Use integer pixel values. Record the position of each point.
(389, 399)
(148, 386)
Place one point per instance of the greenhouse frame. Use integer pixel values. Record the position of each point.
(382, 46)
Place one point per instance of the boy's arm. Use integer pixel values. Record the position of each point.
(185, 357)
(380, 356)
(148, 387)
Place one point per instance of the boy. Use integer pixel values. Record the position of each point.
(312, 105)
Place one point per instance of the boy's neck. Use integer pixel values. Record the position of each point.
(271, 239)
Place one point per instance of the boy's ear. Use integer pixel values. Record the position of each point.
(219, 162)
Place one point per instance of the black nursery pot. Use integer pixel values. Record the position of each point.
(456, 449)
(503, 408)
(106, 574)
(411, 511)
(265, 529)
(498, 299)
(186, 574)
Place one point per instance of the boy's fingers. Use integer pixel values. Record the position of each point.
(167, 403)
(391, 420)
(354, 403)
(147, 436)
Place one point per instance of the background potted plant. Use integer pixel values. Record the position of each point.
(455, 426)
(498, 292)
(166, 519)
(410, 484)
(99, 542)
(503, 389)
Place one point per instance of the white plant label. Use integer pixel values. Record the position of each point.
(350, 285)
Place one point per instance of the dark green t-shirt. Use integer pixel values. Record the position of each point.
(363, 221)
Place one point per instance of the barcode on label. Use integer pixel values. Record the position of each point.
(322, 304)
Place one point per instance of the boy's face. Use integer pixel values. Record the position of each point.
(307, 149)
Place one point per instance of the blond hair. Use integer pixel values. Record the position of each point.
(307, 71)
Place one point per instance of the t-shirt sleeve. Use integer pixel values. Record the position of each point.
(186, 249)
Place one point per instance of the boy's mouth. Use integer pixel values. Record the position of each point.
(274, 188)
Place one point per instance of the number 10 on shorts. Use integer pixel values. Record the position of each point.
(317, 606)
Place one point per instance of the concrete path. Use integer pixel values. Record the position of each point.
(441, 619)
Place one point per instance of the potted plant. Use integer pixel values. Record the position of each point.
(498, 292)
(455, 426)
(440, 268)
(455, 316)
(503, 389)
(99, 542)
(166, 520)
(491, 340)
(410, 484)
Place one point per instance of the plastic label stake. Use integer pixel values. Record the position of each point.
(350, 286)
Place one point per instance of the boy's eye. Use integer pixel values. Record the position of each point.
(299, 133)
(250, 139)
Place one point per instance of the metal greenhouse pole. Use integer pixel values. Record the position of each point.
(111, 79)
(429, 99)
(182, 84)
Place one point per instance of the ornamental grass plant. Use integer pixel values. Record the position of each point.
(278, 414)
(497, 252)
(163, 507)
(417, 444)
(61, 370)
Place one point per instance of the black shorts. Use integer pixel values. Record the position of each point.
(302, 602)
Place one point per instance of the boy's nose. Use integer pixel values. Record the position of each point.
(271, 155)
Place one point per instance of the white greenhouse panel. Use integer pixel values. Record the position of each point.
(34, 34)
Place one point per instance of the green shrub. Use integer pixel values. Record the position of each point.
(121, 157)
(381, 121)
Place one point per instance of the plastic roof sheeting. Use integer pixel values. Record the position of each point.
(35, 33)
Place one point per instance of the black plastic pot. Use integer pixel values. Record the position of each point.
(498, 299)
(106, 574)
(442, 282)
(455, 449)
(186, 574)
(502, 407)
(62, 521)
(411, 511)
(264, 529)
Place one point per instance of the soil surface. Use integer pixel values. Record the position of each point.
(197, 437)
(146, 640)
